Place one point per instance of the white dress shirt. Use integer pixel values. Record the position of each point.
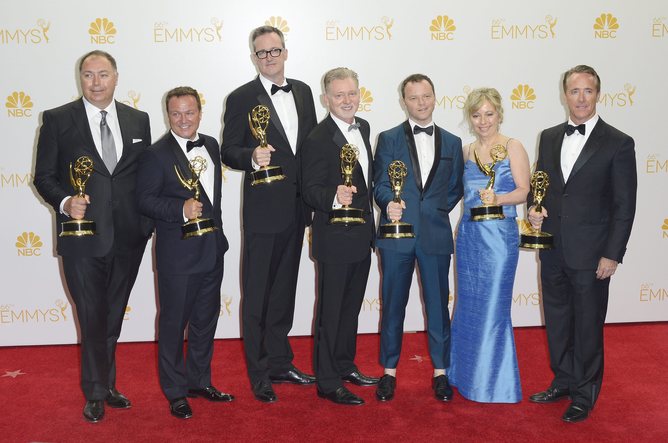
(424, 143)
(572, 145)
(94, 118)
(284, 104)
(353, 137)
(207, 177)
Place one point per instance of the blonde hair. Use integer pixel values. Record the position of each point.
(339, 74)
(477, 98)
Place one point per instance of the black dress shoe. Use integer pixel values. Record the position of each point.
(210, 393)
(117, 400)
(294, 376)
(442, 389)
(180, 408)
(359, 379)
(386, 386)
(576, 412)
(264, 392)
(342, 396)
(550, 395)
(94, 410)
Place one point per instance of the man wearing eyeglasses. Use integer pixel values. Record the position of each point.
(274, 215)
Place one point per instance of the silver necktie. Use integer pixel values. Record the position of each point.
(108, 145)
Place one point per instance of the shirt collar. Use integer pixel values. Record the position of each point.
(92, 110)
(183, 141)
(413, 124)
(589, 124)
(343, 126)
(266, 83)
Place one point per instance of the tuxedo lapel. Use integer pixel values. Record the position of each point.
(592, 145)
(214, 153)
(298, 95)
(555, 142)
(264, 99)
(437, 157)
(182, 163)
(124, 123)
(412, 151)
(366, 133)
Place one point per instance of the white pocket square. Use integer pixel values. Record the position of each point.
(136, 140)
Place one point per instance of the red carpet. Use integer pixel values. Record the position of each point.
(42, 402)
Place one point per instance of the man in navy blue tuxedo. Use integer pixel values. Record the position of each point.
(432, 188)
(190, 270)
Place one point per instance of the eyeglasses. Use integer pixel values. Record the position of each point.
(262, 54)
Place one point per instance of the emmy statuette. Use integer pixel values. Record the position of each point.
(533, 238)
(489, 212)
(197, 226)
(79, 175)
(396, 229)
(346, 215)
(258, 120)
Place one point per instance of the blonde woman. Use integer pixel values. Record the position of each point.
(484, 363)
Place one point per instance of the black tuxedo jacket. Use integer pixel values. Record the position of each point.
(160, 196)
(266, 208)
(65, 136)
(321, 175)
(591, 214)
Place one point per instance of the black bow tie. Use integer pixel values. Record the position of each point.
(353, 126)
(276, 88)
(570, 129)
(194, 144)
(429, 130)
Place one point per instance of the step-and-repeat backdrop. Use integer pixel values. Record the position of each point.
(519, 47)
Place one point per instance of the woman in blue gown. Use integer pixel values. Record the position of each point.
(484, 363)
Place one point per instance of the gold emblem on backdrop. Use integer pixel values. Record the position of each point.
(19, 104)
(102, 31)
(523, 97)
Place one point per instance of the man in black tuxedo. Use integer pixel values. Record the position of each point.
(99, 269)
(343, 253)
(274, 215)
(190, 270)
(591, 202)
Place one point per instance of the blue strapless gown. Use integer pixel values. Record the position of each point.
(483, 359)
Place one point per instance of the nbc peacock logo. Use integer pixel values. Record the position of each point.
(279, 23)
(442, 28)
(29, 244)
(366, 98)
(664, 228)
(523, 97)
(102, 31)
(19, 104)
(606, 26)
